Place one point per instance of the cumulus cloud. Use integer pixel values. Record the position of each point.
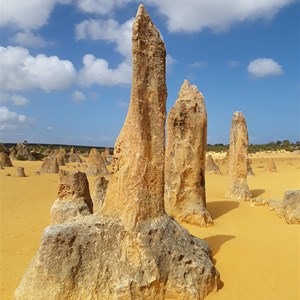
(10, 120)
(17, 100)
(78, 96)
(22, 71)
(28, 39)
(29, 14)
(107, 30)
(262, 67)
(99, 6)
(97, 71)
(218, 15)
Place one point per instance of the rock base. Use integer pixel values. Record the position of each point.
(96, 258)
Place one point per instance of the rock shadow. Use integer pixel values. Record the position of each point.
(257, 192)
(219, 208)
(215, 242)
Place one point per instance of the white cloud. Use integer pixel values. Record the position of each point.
(10, 120)
(99, 6)
(110, 31)
(15, 99)
(198, 65)
(78, 96)
(28, 39)
(27, 14)
(50, 128)
(97, 71)
(22, 71)
(218, 15)
(233, 64)
(262, 67)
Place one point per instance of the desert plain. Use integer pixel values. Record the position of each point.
(256, 252)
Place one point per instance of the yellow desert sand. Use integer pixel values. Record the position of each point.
(256, 253)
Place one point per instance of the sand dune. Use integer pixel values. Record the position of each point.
(256, 253)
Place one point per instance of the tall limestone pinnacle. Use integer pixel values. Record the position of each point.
(185, 197)
(137, 178)
(238, 159)
(133, 250)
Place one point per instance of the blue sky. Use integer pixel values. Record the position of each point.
(65, 66)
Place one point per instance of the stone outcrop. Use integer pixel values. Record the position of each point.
(74, 156)
(5, 160)
(13, 153)
(133, 250)
(249, 168)
(73, 198)
(185, 198)
(289, 207)
(3, 149)
(211, 167)
(99, 194)
(49, 166)
(21, 172)
(238, 157)
(269, 165)
(24, 152)
(96, 164)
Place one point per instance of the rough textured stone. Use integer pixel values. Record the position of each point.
(74, 156)
(211, 167)
(5, 160)
(289, 207)
(49, 166)
(21, 172)
(185, 198)
(238, 156)
(13, 153)
(73, 198)
(100, 188)
(269, 165)
(135, 250)
(24, 152)
(137, 167)
(96, 164)
(249, 168)
(3, 149)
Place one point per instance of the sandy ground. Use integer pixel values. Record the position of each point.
(256, 253)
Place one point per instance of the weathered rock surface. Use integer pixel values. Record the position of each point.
(269, 165)
(96, 164)
(238, 156)
(249, 168)
(5, 160)
(100, 188)
(74, 156)
(21, 172)
(73, 198)
(24, 152)
(185, 198)
(135, 250)
(137, 179)
(49, 166)
(289, 207)
(211, 167)
(3, 149)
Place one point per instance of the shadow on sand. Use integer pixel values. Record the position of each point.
(219, 208)
(257, 192)
(215, 242)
